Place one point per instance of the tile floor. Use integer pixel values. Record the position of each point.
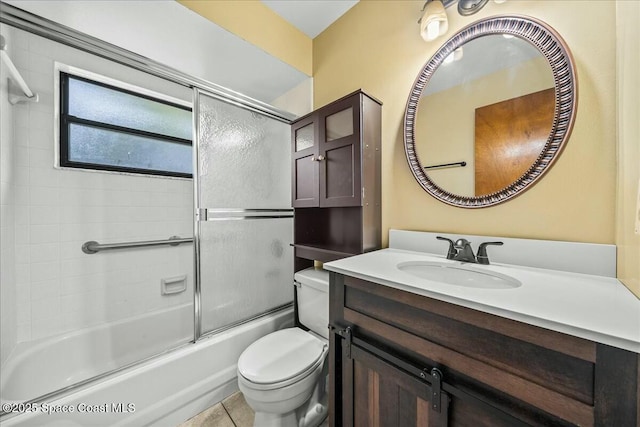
(231, 412)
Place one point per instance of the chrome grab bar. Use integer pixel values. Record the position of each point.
(93, 247)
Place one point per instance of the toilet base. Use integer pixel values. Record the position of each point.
(266, 419)
(310, 414)
(313, 417)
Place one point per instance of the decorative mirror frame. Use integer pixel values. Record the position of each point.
(555, 50)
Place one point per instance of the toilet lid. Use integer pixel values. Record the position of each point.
(280, 356)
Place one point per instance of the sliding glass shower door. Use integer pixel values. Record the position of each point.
(245, 221)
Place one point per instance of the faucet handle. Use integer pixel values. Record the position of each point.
(482, 256)
(451, 252)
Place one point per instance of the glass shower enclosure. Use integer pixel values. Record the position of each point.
(71, 317)
(244, 219)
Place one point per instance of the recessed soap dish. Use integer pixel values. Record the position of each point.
(173, 285)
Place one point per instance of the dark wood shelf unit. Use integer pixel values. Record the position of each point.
(319, 252)
(336, 156)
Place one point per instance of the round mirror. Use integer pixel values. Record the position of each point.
(490, 111)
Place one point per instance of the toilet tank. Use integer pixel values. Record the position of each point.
(313, 299)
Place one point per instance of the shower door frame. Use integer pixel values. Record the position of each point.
(203, 214)
(34, 24)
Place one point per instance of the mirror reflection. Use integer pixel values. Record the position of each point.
(485, 114)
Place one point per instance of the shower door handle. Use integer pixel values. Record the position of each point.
(235, 214)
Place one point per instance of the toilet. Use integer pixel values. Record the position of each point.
(283, 375)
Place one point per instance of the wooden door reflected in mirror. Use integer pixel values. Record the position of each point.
(509, 137)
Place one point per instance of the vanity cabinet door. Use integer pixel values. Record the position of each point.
(376, 393)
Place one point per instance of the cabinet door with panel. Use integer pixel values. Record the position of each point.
(339, 153)
(304, 137)
(380, 389)
(327, 152)
(381, 394)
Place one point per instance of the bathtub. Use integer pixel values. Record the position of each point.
(163, 391)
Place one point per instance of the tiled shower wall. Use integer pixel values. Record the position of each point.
(58, 288)
(7, 230)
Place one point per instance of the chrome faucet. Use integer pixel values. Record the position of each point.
(461, 250)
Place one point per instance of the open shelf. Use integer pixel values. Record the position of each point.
(321, 253)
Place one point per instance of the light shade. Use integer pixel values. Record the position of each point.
(434, 21)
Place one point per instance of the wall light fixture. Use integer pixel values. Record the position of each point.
(469, 7)
(434, 22)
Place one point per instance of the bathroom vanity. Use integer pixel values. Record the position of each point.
(550, 348)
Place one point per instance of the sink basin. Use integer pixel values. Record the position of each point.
(459, 275)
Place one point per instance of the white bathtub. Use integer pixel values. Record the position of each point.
(163, 391)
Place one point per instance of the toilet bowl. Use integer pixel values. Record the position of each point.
(283, 375)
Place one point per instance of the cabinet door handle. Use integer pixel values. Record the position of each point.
(313, 158)
(321, 158)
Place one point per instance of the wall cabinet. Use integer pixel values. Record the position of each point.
(386, 344)
(336, 179)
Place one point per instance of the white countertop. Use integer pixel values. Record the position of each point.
(595, 308)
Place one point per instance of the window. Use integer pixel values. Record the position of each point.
(108, 128)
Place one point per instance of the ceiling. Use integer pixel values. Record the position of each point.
(213, 54)
(310, 16)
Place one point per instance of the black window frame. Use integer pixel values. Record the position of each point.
(66, 120)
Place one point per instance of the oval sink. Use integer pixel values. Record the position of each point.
(459, 275)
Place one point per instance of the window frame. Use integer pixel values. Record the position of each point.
(66, 120)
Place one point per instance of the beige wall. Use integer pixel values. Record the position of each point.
(259, 25)
(376, 46)
(628, 214)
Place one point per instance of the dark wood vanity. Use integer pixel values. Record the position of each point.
(402, 359)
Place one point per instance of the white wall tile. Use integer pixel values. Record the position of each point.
(44, 177)
(58, 287)
(47, 289)
(45, 327)
(21, 175)
(41, 158)
(24, 332)
(40, 138)
(39, 120)
(44, 252)
(20, 58)
(44, 196)
(21, 156)
(22, 196)
(45, 308)
(22, 274)
(41, 82)
(22, 214)
(43, 215)
(44, 271)
(22, 234)
(44, 233)
(71, 249)
(23, 294)
(21, 253)
(41, 64)
(21, 136)
(24, 313)
(8, 216)
(21, 116)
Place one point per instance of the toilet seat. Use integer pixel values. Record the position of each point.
(281, 358)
